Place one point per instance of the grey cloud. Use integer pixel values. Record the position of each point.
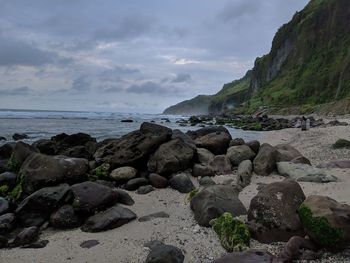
(236, 9)
(112, 89)
(151, 87)
(81, 84)
(182, 77)
(15, 91)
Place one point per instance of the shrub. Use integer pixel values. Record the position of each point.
(341, 143)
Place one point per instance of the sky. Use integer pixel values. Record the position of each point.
(129, 56)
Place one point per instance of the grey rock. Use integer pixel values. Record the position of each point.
(244, 173)
(9, 179)
(153, 216)
(158, 181)
(265, 161)
(20, 136)
(123, 174)
(221, 165)
(182, 183)
(65, 218)
(204, 156)
(200, 170)
(145, 189)
(26, 236)
(239, 153)
(124, 198)
(37, 244)
(254, 145)
(217, 142)
(205, 181)
(161, 253)
(249, 256)
(7, 223)
(89, 243)
(135, 183)
(4, 206)
(236, 142)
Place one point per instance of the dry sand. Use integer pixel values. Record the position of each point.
(125, 244)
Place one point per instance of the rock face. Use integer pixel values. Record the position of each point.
(265, 162)
(36, 208)
(171, 157)
(221, 165)
(133, 149)
(42, 170)
(239, 153)
(326, 221)
(213, 201)
(114, 217)
(304, 173)
(249, 256)
(273, 214)
(244, 173)
(123, 174)
(65, 218)
(90, 197)
(182, 183)
(161, 253)
(217, 142)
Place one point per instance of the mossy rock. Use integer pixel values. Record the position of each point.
(233, 234)
(17, 191)
(13, 165)
(192, 194)
(319, 228)
(341, 143)
(102, 171)
(3, 190)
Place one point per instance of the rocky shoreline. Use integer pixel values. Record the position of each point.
(72, 181)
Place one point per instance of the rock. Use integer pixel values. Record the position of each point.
(65, 218)
(182, 183)
(254, 145)
(333, 164)
(7, 223)
(6, 150)
(3, 166)
(90, 197)
(326, 221)
(153, 216)
(123, 174)
(36, 208)
(273, 214)
(244, 173)
(217, 142)
(89, 243)
(215, 200)
(249, 256)
(37, 244)
(135, 183)
(4, 206)
(77, 152)
(127, 120)
(177, 134)
(237, 154)
(200, 170)
(158, 181)
(2, 138)
(45, 146)
(221, 165)
(27, 236)
(40, 171)
(3, 242)
(204, 156)
(114, 217)
(65, 142)
(236, 142)
(293, 247)
(205, 181)
(301, 159)
(207, 130)
(304, 173)
(124, 198)
(145, 189)
(265, 161)
(287, 153)
(21, 152)
(171, 157)
(20, 136)
(133, 149)
(161, 253)
(8, 179)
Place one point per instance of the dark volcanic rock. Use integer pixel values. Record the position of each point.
(200, 170)
(238, 154)
(205, 181)
(145, 189)
(254, 145)
(42, 170)
(6, 150)
(89, 243)
(221, 165)
(8, 179)
(124, 198)
(37, 244)
(236, 142)
(215, 200)
(244, 173)
(152, 216)
(217, 142)
(249, 256)
(19, 136)
(3, 242)
(27, 236)
(65, 218)
(161, 253)
(135, 183)
(158, 181)
(171, 157)
(273, 212)
(207, 130)
(112, 218)
(7, 223)
(36, 208)
(2, 138)
(133, 149)
(45, 146)
(287, 153)
(204, 156)
(4, 206)
(182, 183)
(21, 152)
(90, 197)
(265, 162)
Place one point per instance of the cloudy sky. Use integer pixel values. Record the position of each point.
(129, 56)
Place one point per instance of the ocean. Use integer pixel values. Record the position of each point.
(38, 124)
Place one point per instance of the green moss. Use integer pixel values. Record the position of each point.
(306, 109)
(191, 194)
(321, 230)
(16, 192)
(12, 164)
(233, 233)
(341, 143)
(3, 190)
(102, 171)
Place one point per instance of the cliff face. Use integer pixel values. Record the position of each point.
(196, 106)
(308, 65)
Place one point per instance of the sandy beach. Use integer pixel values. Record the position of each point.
(199, 244)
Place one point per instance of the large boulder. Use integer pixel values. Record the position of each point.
(158, 181)
(4, 206)
(182, 183)
(135, 183)
(217, 142)
(90, 197)
(254, 145)
(287, 153)
(123, 174)
(161, 253)
(249, 256)
(204, 156)
(206, 130)
(42, 170)
(133, 149)
(9, 179)
(326, 221)
(221, 165)
(239, 153)
(45, 146)
(336, 164)
(21, 152)
(6, 150)
(26, 236)
(36, 208)
(244, 173)
(114, 217)
(215, 200)
(265, 161)
(202, 170)
(171, 157)
(273, 213)
(7, 223)
(304, 173)
(65, 218)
